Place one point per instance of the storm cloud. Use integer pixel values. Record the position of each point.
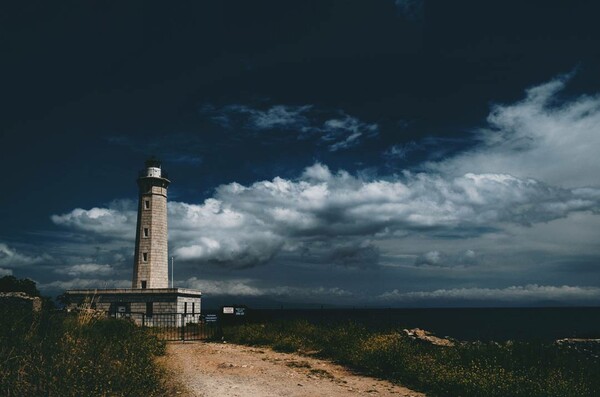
(247, 225)
(444, 219)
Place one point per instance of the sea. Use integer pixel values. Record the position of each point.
(485, 324)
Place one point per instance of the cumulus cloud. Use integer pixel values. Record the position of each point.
(247, 287)
(468, 257)
(337, 130)
(11, 258)
(531, 176)
(437, 258)
(84, 283)
(431, 258)
(243, 226)
(531, 292)
(216, 232)
(343, 204)
(86, 269)
(542, 137)
(118, 220)
(254, 222)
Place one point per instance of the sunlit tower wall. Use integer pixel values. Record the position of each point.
(151, 262)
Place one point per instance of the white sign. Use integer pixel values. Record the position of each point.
(228, 310)
(210, 318)
(121, 309)
(240, 311)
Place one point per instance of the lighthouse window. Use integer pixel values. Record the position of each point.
(147, 204)
(143, 284)
(145, 256)
(146, 232)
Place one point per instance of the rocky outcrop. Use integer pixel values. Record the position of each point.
(427, 337)
(20, 299)
(589, 347)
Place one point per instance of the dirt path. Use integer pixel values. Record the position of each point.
(227, 370)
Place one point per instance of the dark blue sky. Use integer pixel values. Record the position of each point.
(385, 153)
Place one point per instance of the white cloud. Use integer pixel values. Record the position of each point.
(280, 116)
(514, 293)
(247, 225)
(247, 287)
(344, 133)
(341, 204)
(540, 137)
(79, 283)
(86, 269)
(431, 258)
(118, 220)
(11, 258)
(256, 221)
(215, 232)
(438, 258)
(527, 170)
(338, 132)
(224, 287)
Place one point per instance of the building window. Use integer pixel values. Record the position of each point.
(146, 232)
(143, 284)
(184, 308)
(193, 307)
(149, 309)
(145, 257)
(147, 204)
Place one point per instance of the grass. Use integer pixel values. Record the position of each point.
(519, 369)
(53, 354)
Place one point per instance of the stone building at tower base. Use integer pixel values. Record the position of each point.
(139, 303)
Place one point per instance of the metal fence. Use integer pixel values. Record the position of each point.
(174, 326)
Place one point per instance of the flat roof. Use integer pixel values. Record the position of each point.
(134, 291)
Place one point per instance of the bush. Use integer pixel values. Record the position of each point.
(13, 284)
(52, 354)
(527, 369)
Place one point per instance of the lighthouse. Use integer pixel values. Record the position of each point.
(151, 267)
(149, 301)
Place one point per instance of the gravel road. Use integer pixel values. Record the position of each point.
(227, 370)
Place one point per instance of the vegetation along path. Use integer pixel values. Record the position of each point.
(227, 370)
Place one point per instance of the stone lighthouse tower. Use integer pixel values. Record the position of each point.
(151, 262)
(150, 301)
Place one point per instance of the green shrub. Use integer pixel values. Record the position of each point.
(510, 369)
(51, 354)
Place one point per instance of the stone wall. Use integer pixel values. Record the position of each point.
(20, 299)
(135, 300)
(151, 262)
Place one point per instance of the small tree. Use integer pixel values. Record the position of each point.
(13, 284)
